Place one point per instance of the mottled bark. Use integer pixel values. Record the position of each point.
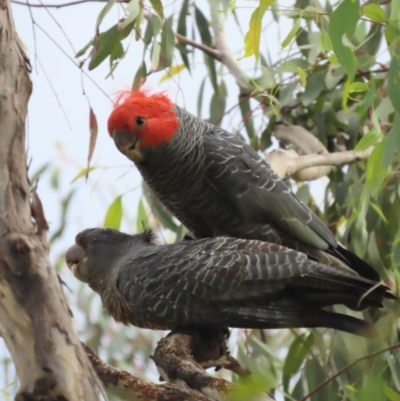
(182, 357)
(34, 319)
(131, 388)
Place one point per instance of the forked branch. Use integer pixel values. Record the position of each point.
(310, 160)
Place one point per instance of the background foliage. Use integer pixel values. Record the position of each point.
(338, 76)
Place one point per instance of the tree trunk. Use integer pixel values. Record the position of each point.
(34, 319)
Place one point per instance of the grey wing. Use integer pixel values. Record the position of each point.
(211, 283)
(255, 190)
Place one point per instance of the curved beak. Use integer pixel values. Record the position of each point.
(128, 144)
(76, 259)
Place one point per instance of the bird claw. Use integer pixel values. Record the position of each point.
(227, 362)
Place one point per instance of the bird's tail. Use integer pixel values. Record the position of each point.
(260, 318)
(346, 323)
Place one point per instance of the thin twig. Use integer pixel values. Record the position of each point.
(347, 367)
(75, 63)
(205, 49)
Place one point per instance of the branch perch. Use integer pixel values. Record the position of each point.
(311, 160)
(131, 388)
(182, 357)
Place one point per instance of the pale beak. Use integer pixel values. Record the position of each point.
(128, 144)
(76, 259)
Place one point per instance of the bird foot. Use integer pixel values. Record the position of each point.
(226, 362)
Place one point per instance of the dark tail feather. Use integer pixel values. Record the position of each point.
(356, 263)
(258, 318)
(349, 324)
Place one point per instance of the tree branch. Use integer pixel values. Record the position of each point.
(221, 44)
(205, 49)
(310, 160)
(34, 318)
(131, 388)
(180, 357)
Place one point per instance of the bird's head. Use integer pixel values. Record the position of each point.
(98, 252)
(141, 121)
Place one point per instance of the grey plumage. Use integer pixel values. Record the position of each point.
(217, 283)
(216, 184)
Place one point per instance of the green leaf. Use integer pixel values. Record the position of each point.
(299, 71)
(140, 76)
(84, 49)
(106, 43)
(298, 351)
(176, 69)
(82, 173)
(378, 210)
(156, 23)
(369, 139)
(376, 172)
(203, 27)
(133, 10)
(104, 12)
(37, 174)
(182, 31)
(117, 53)
(148, 34)
(217, 105)
(393, 141)
(390, 33)
(200, 97)
(358, 87)
(104, 46)
(114, 214)
(390, 393)
(375, 122)
(342, 25)
(325, 42)
(292, 33)
(167, 45)
(247, 116)
(159, 210)
(155, 55)
(252, 38)
(180, 233)
(394, 83)
(372, 43)
(182, 18)
(315, 85)
(248, 389)
(65, 203)
(374, 13)
(142, 222)
(212, 71)
(158, 7)
(350, 388)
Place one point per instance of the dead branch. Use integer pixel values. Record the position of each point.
(311, 159)
(131, 388)
(34, 318)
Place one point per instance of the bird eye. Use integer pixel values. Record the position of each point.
(139, 121)
(94, 240)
